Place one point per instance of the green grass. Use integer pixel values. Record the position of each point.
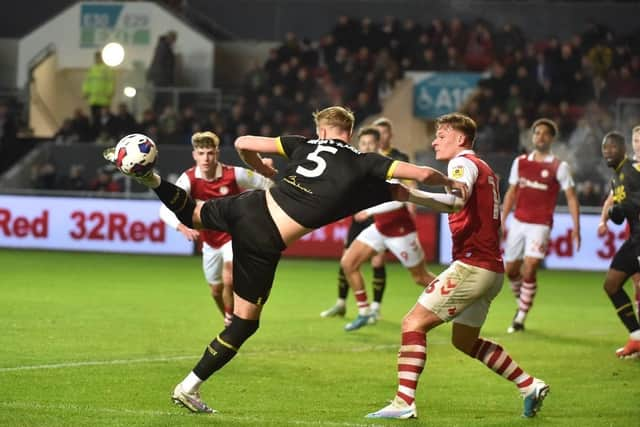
(135, 325)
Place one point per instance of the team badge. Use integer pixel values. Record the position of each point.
(224, 190)
(544, 173)
(457, 172)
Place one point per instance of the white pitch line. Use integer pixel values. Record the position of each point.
(69, 407)
(192, 357)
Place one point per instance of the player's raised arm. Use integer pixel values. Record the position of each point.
(428, 176)
(249, 149)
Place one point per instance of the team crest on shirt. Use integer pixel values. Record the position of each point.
(457, 172)
(224, 190)
(544, 173)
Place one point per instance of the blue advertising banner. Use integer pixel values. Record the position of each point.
(436, 93)
(101, 23)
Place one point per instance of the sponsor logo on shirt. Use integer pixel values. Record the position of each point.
(524, 182)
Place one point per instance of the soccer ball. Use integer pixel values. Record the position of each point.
(136, 154)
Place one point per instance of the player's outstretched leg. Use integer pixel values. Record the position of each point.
(493, 356)
(217, 354)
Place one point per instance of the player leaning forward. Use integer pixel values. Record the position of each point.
(464, 291)
(326, 179)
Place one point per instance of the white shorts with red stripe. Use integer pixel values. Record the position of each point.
(525, 239)
(462, 293)
(213, 259)
(406, 248)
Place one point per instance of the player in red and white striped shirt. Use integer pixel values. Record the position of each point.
(210, 179)
(464, 291)
(534, 183)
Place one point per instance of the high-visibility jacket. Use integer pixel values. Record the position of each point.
(99, 85)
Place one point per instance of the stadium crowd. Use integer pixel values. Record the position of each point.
(575, 82)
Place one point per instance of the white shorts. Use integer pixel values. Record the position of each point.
(406, 248)
(526, 240)
(212, 261)
(463, 293)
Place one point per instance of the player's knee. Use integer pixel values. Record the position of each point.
(348, 265)
(239, 331)
(463, 345)
(610, 287)
(513, 274)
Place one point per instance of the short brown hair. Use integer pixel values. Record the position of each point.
(369, 130)
(335, 116)
(635, 129)
(461, 123)
(384, 122)
(205, 139)
(547, 122)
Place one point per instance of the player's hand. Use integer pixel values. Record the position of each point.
(189, 233)
(267, 168)
(458, 189)
(602, 229)
(361, 216)
(577, 239)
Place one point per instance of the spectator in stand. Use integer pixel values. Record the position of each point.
(148, 119)
(44, 176)
(75, 180)
(104, 181)
(589, 194)
(106, 127)
(162, 71)
(66, 134)
(168, 124)
(98, 87)
(479, 51)
(124, 121)
(81, 125)
(364, 108)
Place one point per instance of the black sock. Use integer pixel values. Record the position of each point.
(343, 285)
(624, 308)
(177, 200)
(225, 346)
(379, 283)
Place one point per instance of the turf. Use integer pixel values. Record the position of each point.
(100, 340)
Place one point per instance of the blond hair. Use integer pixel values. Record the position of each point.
(461, 123)
(205, 139)
(384, 122)
(339, 117)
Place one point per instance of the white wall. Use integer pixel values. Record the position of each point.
(65, 32)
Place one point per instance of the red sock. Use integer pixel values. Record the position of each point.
(412, 357)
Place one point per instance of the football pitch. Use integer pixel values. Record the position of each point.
(101, 340)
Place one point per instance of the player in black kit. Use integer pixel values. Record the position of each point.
(625, 189)
(368, 142)
(326, 179)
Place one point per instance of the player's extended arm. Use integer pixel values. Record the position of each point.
(440, 202)
(249, 149)
(574, 210)
(429, 176)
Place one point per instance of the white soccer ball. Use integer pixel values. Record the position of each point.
(136, 154)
